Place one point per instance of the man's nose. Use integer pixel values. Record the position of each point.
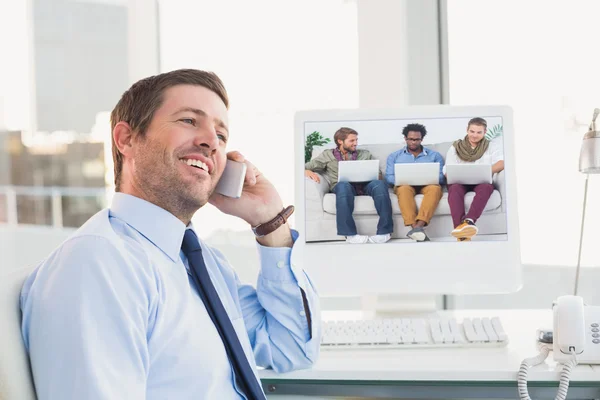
(206, 136)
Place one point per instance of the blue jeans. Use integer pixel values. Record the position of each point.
(344, 201)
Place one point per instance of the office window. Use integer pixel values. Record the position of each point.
(538, 58)
(275, 58)
(65, 66)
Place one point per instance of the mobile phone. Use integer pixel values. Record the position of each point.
(232, 180)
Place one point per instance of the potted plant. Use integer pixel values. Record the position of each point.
(494, 132)
(312, 140)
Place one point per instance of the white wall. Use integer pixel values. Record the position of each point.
(390, 131)
(143, 51)
(399, 53)
(542, 284)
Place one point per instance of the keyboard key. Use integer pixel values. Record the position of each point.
(327, 339)
(478, 328)
(408, 339)
(380, 338)
(469, 330)
(363, 339)
(459, 337)
(446, 333)
(420, 327)
(395, 339)
(499, 330)
(421, 333)
(436, 331)
(489, 330)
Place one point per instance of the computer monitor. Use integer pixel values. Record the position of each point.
(444, 264)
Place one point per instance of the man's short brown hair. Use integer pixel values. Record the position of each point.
(477, 121)
(139, 103)
(342, 134)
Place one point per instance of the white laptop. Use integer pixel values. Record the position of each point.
(469, 174)
(358, 171)
(417, 174)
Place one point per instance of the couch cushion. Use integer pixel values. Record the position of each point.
(363, 205)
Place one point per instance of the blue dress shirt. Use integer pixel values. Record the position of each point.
(405, 156)
(113, 314)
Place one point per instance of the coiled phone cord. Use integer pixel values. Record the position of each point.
(565, 374)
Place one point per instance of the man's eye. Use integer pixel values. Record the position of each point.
(222, 137)
(190, 121)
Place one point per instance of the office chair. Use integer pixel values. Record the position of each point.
(16, 382)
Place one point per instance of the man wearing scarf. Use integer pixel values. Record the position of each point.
(473, 149)
(326, 163)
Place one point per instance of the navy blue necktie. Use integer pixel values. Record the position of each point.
(243, 371)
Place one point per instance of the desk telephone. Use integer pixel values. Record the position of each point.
(576, 331)
(575, 339)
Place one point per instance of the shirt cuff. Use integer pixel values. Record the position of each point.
(276, 265)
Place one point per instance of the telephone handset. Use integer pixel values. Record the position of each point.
(575, 340)
(576, 331)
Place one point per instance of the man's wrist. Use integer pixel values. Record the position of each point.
(281, 237)
(266, 228)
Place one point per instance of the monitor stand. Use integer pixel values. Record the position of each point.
(399, 306)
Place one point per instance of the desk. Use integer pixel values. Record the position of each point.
(439, 373)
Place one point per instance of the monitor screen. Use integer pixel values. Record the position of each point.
(411, 200)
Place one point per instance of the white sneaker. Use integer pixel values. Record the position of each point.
(417, 234)
(380, 238)
(357, 239)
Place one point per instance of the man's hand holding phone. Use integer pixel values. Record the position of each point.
(258, 203)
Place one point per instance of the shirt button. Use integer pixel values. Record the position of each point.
(280, 264)
(303, 313)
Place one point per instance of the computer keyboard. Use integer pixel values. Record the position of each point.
(413, 333)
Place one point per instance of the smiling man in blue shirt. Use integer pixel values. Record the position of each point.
(133, 306)
(415, 152)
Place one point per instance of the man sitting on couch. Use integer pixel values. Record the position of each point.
(414, 152)
(473, 149)
(327, 163)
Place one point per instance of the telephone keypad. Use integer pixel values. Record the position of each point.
(595, 328)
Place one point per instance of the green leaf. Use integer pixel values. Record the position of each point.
(312, 140)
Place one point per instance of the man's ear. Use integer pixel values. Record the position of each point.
(123, 138)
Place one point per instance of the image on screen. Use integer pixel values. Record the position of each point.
(405, 180)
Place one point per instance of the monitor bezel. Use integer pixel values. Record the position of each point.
(478, 267)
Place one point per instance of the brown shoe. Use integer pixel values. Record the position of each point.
(465, 230)
(465, 239)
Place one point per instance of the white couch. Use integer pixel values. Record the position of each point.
(321, 209)
(16, 381)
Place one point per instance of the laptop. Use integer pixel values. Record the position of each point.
(417, 174)
(358, 171)
(469, 174)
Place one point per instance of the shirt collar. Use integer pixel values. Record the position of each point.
(156, 224)
(405, 150)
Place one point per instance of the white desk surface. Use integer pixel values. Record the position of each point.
(450, 364)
